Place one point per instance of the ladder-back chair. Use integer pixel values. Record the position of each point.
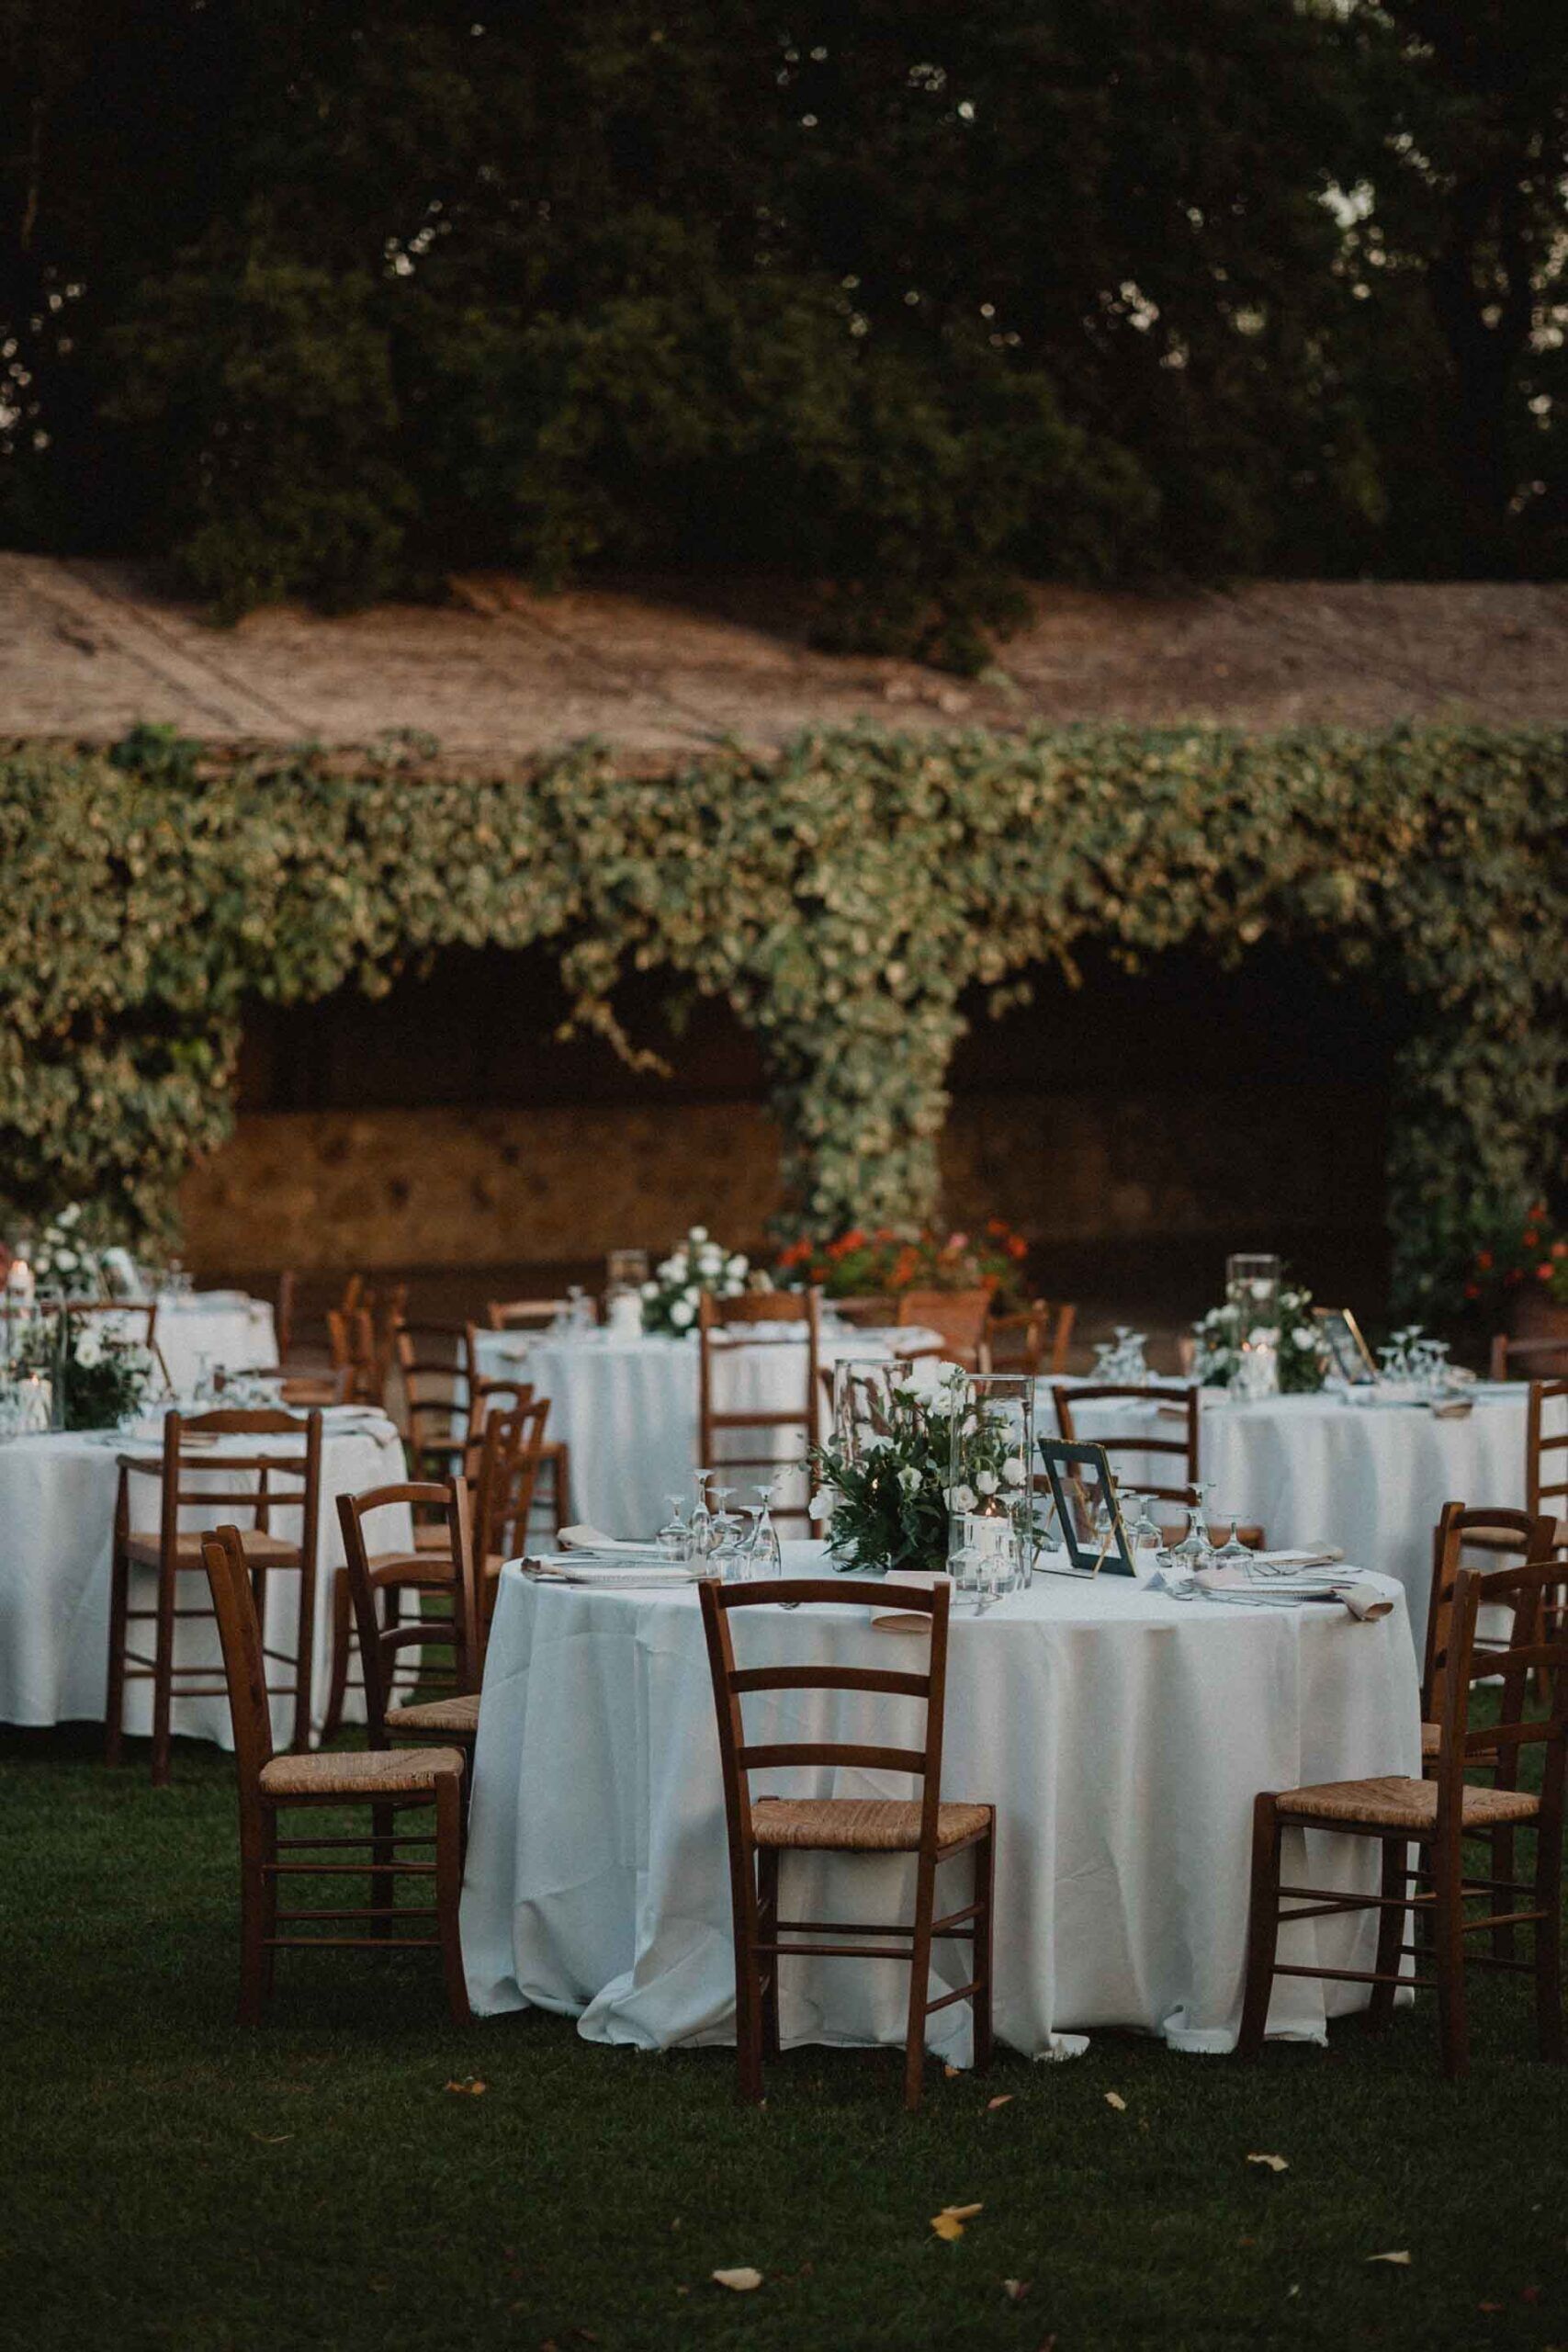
(390, 1781)
(762, 1829)
(553, 1490)
(503, 1468)
(728, 1343)
(1034, 1340)
(191, 1477)
(1437, 1814)
(131, 1319)
(957, 1316)
(524, 1314)
(394, 1645)
(1534, 1359)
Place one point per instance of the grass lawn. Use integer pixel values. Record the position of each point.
(166, 2180)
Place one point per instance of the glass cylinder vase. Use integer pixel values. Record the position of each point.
(990, 1534)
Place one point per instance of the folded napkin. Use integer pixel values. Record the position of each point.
(572, 1568)
(1365, 1600)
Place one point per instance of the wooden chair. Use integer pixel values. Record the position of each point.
(524, 1314)
(436, 1376)
(190, 1478)
(350, 1343)
(1534, 1359)
(1179, 1408)
(873, 1311)
(762, 1829)
(502, 1469)
(302, 1384)
(135, 1319)
(555, 1455)
(1034, 1340)
(283, 1314)
(1437, 1814)
(1546, 1491)
(380, 1582)
(390, 1781)
(958, 1316)
(725, 1337)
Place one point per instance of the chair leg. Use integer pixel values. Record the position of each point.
(1262, 1925)
(114, 1708)
(768, 1911)
(258, 1919)
(163, 1675)
(305, 1650)
(1448, 1950)
(748, 1990)
(1549, 1946)
(332, 1722)
(383, 1881)
(563, 1490)
(1503, 1868)
(985, 1895)
(448, 1889)
(1391, 1933)
(920, 1981)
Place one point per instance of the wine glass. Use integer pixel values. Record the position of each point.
(1195, 1551)
(765, 1551)
(700, 1524)
(1233, 1553)
(674, 1538)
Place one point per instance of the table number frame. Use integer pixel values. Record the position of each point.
(1347, 1351)
(1065, 1466)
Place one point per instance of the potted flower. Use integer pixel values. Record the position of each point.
(885, 1261)
(669, 1301)
(1522, 1275)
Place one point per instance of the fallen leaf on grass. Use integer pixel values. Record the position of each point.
(949, 2223)
(953, 2073)
(271, 2139)
(469, 2087)
(1015, 2290)
(1003, 2099)
(739, 2282)
(1275, 2164)
(1488, 2307)
(1115, 2099)
(1402, 2260)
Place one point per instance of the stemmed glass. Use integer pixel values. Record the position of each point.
(1142, 1527)
(1195, 1551)
(700, 1524)
(674, 1538)
(764, 1550)
(1233, 1553)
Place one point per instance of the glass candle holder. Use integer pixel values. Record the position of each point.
(990, 1539)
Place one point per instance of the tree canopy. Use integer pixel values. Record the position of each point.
(905, 302)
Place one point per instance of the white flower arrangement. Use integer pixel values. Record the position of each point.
(61, 1260)
(1302, 1360)
(670, 1299)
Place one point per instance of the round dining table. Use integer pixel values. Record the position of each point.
(627, 1406)
(1340, 1467)
(1121, 1736)
(57, 1504)
(215, 1331)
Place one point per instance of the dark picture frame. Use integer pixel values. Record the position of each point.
(1087, 1555)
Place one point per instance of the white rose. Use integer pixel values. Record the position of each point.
(650, 1290)
(89, 1348)
(737, 1267)
(1012, 1469)
(987, 1481)
(960, 1498)
(733, 1288)
(681, 1313)
(1261, 1336)
(710, 1258)
(1261, 1289)
(909, 1480)
(671, 1270)
(698, 1233)
(927, 1377)
(823, 1503)
(63, 1257)
(1303, 1337)
(68, 1215)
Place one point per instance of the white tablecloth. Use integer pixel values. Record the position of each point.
(231, 1332)
(1372, 1478)
(1120, 1736)
(627, 1409)
(57, 1499)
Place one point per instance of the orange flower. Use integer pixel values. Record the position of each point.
(1473, 1290)
(1483, 1260)
(1559, 1249)
(1532, 1239)
(1018, 1247)
(1544, 1271)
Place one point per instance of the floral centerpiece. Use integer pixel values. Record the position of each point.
(100, 1376)
(670, 1300)
(1223, 1333)
(883, 1488)
(63, 1261)
(1525, 1263)
(861, 1264)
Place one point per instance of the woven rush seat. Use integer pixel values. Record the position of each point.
(424, 1567)
(860, 1825)
(458, 1718)
(365, 1772)
(1396, 1804)
(261, 1550)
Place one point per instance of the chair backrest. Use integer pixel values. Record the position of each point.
(524, 1314)
(351, 1339)
(1533, 1359)
(298, 1386)
(741, 1757)
(283, 1312)
(285, 1478)
(873, 1310)
(503, 1473)
(436, 1379)
(728, 1343)
(1032, 1341)
(1546, 1450)
(130, 1318)
(244, 1666)
(1457, 1526)
(384, 1633)
(959, 1317)
(1533, 1593)
(1178, 1407)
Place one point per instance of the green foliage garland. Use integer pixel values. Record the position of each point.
(841, 897)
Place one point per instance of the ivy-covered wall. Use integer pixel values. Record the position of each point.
(841, 896)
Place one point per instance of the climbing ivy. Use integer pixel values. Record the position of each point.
(842, 895)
